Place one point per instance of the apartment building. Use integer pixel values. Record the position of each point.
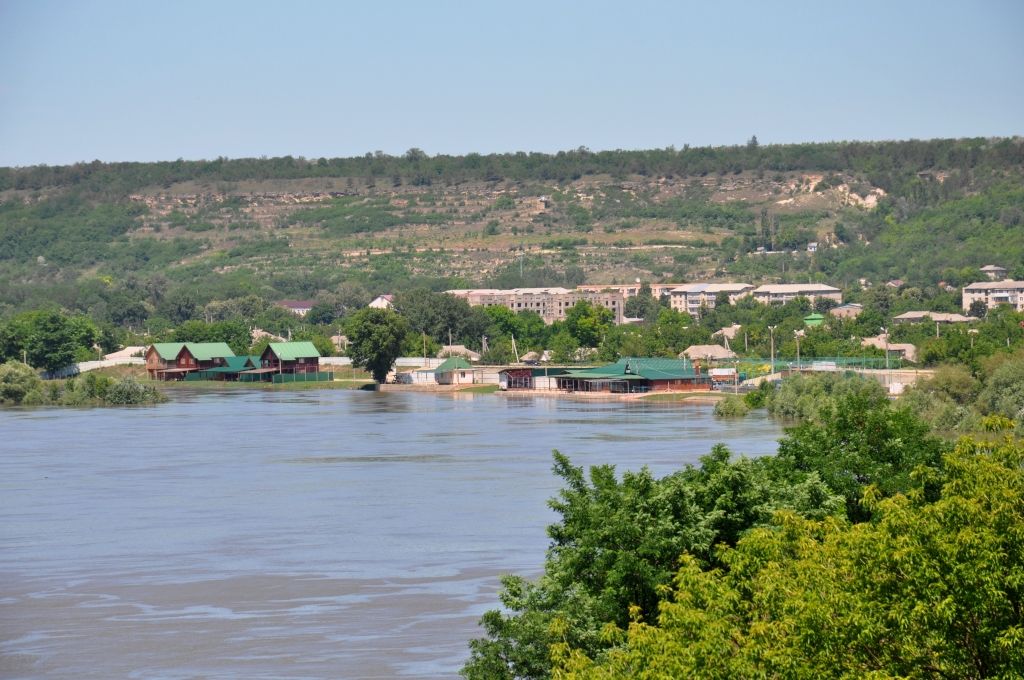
(781, 293)
(994, 293)
(550, 303)
(690, 297)
(629, 290)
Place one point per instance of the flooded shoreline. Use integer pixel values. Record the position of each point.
(313, 534)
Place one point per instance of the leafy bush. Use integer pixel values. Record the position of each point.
(732, 406)
(129, 391)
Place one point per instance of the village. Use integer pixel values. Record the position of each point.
(698, 368)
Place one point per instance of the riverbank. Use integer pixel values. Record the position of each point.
(691, 396)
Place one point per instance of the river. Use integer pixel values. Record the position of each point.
(321, 534)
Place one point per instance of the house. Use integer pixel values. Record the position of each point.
(728, 333)
(175, 360)
(297, 307)
(900, 350)
(851, 310)
(994, 293)
(455, 371)
(691, 297)
(634, 374)
(895, 284)
(707, 353)
(458, 351)
(781, 293)
(209, 354)
(290, 357)
(386, 301)
(257, 334)
(812, 247)
(169, 361)
(994, 272)
(934, 317)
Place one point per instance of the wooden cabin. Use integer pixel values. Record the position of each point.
(175, 360)
(169, 361)
(290, 357)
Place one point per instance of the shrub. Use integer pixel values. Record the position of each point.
(732, 406)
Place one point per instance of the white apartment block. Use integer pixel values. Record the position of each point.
(550, 303)
(781, 293)
(690, 297)
(994, 293)
(629, 290)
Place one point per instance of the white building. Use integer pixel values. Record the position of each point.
(993, 293)
(550, 303)
(691, 297)
(781, 293)
(994, 272)
(382, 302)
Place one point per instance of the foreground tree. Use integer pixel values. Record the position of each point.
(375, 340)
(926, 590)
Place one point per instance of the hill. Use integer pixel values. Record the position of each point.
(103, 238)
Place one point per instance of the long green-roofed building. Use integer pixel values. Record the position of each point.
(634, 374)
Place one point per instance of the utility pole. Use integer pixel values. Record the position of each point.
(888, 376)
(771, 329)
(796, 334)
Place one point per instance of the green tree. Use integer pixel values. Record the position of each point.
(588, 323)
(375, 340)
(616, 546)
(930, 589)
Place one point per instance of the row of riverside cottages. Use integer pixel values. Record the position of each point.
(280, 362)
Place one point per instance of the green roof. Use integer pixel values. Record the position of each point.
(241, 363)
(168, 350)
(814, 319)
(290, 351)
(453, 364)
(205, 351)
(639, 368)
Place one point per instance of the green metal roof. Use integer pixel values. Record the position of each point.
(290, 351)
(205, 351)
(168, 351)
(241, 363)
(814, 319)
(453, 364)
(639, 368)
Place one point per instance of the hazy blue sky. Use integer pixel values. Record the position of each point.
(148, 80)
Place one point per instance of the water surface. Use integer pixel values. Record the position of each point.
(324, 534)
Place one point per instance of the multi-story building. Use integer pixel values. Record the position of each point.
(690, 297)
(629, 290)
(781, 293)
(550, 303)
(994, 293)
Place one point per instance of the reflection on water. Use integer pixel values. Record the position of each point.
(317, 534)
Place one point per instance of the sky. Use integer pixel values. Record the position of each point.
(147, 80)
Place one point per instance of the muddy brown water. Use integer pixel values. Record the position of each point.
(325, 534)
